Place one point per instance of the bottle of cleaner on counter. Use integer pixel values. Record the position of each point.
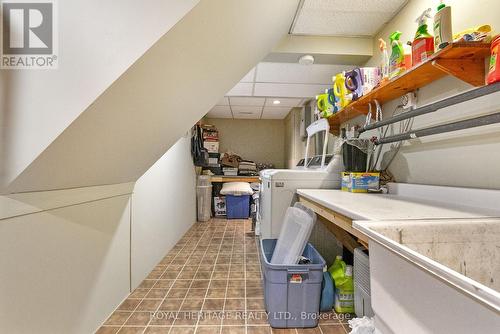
(442, 27)
(396, 61)
(384, 62)
(423, 44)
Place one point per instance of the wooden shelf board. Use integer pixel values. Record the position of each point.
(462, 60)
(220, 178)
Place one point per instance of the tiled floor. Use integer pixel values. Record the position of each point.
(210, 282)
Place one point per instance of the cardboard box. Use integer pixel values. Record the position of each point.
(213, 158)
(346, 180)
(361, 182)
(220, 206)
(211, 146)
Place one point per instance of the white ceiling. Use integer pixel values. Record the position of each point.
(286, 80)
(290, 83)
(344, 18)
(246, 107)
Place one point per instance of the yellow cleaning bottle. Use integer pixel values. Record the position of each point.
(340, 90)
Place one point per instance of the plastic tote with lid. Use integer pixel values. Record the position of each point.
(297, 226)
(204, 198)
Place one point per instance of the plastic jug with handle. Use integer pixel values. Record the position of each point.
(340, 90)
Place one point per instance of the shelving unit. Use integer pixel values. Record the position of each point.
(221, 178)
(465, 61)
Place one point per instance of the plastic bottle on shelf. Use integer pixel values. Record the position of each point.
(340, 91)
(423, 43)
(494, 67)
(396, 61)
(384, 62)
(442, 27)
(407, 62)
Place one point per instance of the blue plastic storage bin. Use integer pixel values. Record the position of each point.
(238, 207)
(292, 292)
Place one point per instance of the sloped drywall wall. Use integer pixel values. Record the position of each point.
(163, 209)
(98, 41)
(134, 122)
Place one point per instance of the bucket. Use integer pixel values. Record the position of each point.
(354, 158)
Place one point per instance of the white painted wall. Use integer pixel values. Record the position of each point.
(466, 158)
(259, 140)
(69, 257)
(98, 41)
(163, 208)
(141, 115)
(64, 269)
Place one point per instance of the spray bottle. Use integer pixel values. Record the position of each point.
(384, 63)
(423, 44)
(397, 59)
(442, 27)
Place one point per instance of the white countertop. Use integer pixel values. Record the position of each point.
(359, 206)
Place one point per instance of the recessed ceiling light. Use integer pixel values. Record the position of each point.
(246, 112)
(276, 102)
(306, 60)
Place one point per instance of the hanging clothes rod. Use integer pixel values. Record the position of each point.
(443, 128)
(449, 101)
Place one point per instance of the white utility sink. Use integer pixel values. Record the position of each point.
(435, 276)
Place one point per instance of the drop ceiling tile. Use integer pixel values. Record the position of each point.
(289, 90)
(249, 77)
(247, 112)
(275, 112)
(348, 18)
(284, 102)
(354, 5)
(297, 73)
(247, 116)
(246, 109)
(247, 101)
(241, 89)
(223, 102)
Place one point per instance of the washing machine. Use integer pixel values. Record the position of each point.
(278, 186)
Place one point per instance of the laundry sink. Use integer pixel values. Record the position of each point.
(435, 276)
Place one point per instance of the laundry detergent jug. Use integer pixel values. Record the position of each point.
(340, 90)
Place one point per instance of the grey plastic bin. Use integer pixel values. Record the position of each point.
(292, 292)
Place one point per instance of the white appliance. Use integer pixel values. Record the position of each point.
(278, 186)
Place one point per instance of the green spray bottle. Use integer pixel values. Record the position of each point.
(423, 44)
(397, 59)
